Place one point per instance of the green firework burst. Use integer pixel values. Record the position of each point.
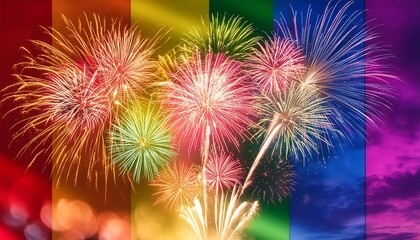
(141, 142)
(228, 35)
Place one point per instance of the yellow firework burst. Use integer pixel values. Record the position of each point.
(177, 186)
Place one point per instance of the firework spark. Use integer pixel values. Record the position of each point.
(338, 55)
(210, 93)
(275, 64)
(141, 141)
(272, 180)
(194, 216)
(230, 216)
(176, 186)
(223, 171)
(231, 36)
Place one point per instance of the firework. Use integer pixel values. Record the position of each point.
(70, 106)
(272, 180)
(209, 93)
(118, 54)
(301, 120)
(228, 35)
(124, 61)
(194, 216)
(223, 171)
(176, 186)
(71, 88)
(295, 121)
(338, 55)
(275, 64)
(141, 141)
(230, 216)
(209, 102)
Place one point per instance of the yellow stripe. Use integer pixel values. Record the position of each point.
(176, 16)
(148, 221)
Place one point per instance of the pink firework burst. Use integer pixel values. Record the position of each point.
(275, 64)
(124, 61)
(223, 171)
(209, 94)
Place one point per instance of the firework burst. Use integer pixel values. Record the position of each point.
(68, 105)
(118, 54)
(223, 171)
(298, 118)
(124, 61)
(228, 35)
(272, 180)
(295, 121)
(141, 141)
(338, 55)
(275, 64)
(212, 94)
(71, 88)
(176, 186)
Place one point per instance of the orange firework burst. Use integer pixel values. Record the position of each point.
(72, 90)
(275, 64)
(210, 93)
(223, 171)
(176, 186)
(68, 105)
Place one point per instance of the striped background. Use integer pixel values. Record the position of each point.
(330, 201)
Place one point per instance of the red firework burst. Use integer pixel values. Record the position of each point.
(223, 171)
(210, 93)
(276, 63)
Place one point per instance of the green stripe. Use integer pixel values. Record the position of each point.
(273, 221)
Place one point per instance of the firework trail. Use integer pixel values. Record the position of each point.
(209, 102)
(275, 64)
(338, 55)
(176, 186)
(223, 171)
(227, 35)
(141, 142)
(230, 216)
